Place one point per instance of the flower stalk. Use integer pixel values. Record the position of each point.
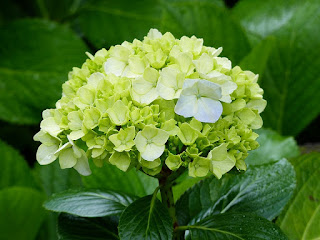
(166, 181)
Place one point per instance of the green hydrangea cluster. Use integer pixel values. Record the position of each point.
(146, 104)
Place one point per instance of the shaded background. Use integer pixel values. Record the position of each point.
(41, 40)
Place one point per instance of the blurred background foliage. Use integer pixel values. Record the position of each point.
(41, 40)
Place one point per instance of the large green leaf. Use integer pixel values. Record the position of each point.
(110, 177)
(53, 179)
(35, 59)
(14, 170)
(89, 203)
(263, 190)
(146, 219)
(291, 80)
(79, 228)
(207, 20)
(107, 23)
(57, 9)
(183, 183)
(234, 226)
(256, 60)
(301, 220)
(21, 213)
(273, 147)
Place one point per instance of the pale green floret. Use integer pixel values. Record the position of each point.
(76, 125)
(150, 142)
(157, 59)
(150, 164)
(173, 162)
(170, 127)
(144, 88)
(258, 104)
(221, 160)
(119, 113)
(183, 62)
(121, 160)
(155, 101)
(86, 96)
(123, 141)
(50, 126)
(151, 167)
(91, 117)
(192, 45)
(199, 167)
(170, 83)
(95, 79)
(187, 134)
(154, 34)
(69, 154)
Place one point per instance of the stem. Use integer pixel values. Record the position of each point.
(166, 180)
(167, 200)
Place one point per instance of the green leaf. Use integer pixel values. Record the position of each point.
(53, 179)
(273, 147)
(79, 228)
(107, 23)
(256, 61)
(58, 9)
(126, 20)
(206, 20)
(14, 169)
(89, 203)
(36, 57)
(301, 220)
(110, 177)
(234, 226)
(21, 213)
(291, 80)
(183, 183)
(146, 219)
(263, 190)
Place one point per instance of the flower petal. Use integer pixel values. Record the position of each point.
(95, 79)
(114, 66)
(67, 159)
(82, 165)
(209, 89)
(120, 160)
(209, 110)
(46, 154)
(187, 106)
(50, 126)
(152, 152)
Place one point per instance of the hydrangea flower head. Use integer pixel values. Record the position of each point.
(157, 103)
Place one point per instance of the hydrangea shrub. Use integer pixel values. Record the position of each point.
(146, 104)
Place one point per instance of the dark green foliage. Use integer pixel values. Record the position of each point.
(146, 218)
(263, 190)
(89, 203)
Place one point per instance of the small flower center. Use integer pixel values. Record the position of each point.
(149, 141)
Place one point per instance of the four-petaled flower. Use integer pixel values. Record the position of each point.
(150, 142)
(200, 99)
